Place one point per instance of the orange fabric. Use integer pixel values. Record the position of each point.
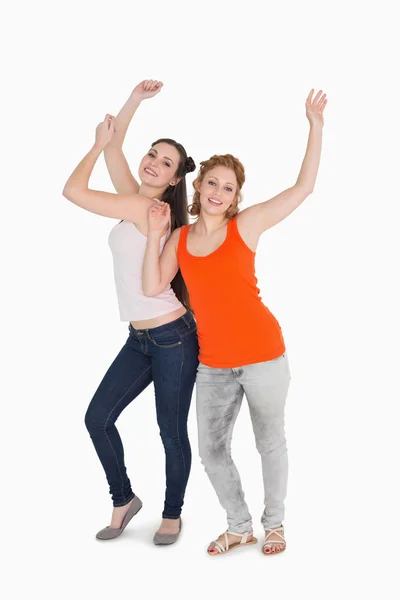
(234, 327)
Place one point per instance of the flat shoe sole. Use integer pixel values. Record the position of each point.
(110, 533)
(166, 539)
(272, 553)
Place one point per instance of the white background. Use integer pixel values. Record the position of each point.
(235, 76)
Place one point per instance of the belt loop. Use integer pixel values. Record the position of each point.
(186, 321)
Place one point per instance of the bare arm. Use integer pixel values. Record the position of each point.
(117, 165)
(260, 217)
(159, 271)
(119, 171)
(126, 207)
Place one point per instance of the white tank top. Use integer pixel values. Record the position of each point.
(128, 247)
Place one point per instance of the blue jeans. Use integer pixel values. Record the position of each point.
(167, 355)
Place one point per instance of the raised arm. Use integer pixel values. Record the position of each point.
(253, 221)
(125, 207)
(159, 271)
(117, 165)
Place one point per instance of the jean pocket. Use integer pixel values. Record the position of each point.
(183, 333)
(166, 340)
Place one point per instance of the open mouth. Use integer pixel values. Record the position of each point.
(150, 172)
(214, 202)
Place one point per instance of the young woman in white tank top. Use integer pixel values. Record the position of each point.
(162, 344)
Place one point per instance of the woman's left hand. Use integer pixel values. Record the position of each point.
(105, 131)
(315, 108)
(159, 217)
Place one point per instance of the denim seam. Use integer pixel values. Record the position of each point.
(187, 333)
(182, 334)
(178, 413)
(167, 346)
(126, 502)
(109, 415)
(230, 433)
(229, 436)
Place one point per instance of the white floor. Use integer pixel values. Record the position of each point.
(341, 517)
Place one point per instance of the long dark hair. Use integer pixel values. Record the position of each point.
(176, 197)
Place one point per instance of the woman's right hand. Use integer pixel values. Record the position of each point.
(159, 217)
(105, 132)
(147, 89)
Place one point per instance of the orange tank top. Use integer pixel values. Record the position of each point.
(234, 327)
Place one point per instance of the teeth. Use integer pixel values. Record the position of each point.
(214, 202)
(151, 172)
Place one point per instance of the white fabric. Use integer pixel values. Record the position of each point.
(128, 247)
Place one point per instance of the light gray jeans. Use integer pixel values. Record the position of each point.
(219, 398)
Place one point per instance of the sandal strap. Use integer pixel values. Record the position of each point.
(226, 542)
(244, 536)
(277, 531)
(219, 547)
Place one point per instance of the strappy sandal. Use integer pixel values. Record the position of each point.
(269, 543)
(243, 542)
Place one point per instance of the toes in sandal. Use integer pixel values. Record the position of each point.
(279, 531)
(222, 549)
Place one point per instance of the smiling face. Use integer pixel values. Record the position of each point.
(218, 190)
(158, 168)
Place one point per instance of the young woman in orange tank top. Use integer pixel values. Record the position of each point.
(242, 351)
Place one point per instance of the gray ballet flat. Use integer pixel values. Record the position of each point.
(109, 533)
(163, 539)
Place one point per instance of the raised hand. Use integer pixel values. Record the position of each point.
(315, 107)
(147, 89)
(159, 217)
(105, 131)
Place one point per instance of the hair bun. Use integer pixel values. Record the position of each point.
(190, 165)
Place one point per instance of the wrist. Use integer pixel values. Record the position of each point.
(97, 148)
(113, 145)
(154, 235)
(316, 125)
(136, 98)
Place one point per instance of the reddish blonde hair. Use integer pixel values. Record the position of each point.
(219, 160)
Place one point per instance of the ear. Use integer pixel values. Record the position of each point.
(175, 181)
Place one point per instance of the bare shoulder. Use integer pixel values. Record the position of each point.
(150, 201)
(247, 226)
(176, 233)
(247, 216)
(174, 238)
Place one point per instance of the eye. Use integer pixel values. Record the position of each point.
(211, 182)
(152, 154)
(167, 164)
(229, 189)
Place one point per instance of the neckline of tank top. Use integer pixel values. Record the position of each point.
(228, 230)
